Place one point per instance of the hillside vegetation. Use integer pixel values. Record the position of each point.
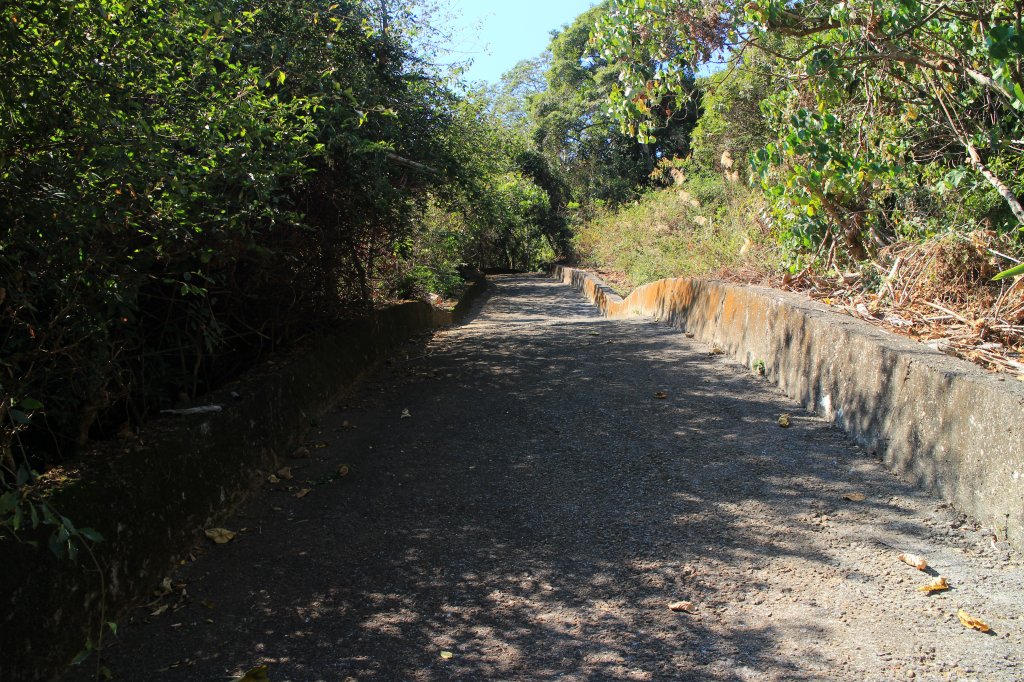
(186, 187)
(868, 154)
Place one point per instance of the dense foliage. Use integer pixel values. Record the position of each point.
(886, 120)
(573, 125)
(187, 185)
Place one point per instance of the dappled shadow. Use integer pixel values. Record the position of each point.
(561, 479)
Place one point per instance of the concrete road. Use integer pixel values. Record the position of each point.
(528, 493)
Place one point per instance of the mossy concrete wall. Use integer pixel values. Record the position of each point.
(152, 502)
(942, 423)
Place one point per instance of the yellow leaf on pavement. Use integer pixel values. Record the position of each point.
(937, 585)
(914, 560)
(969, 621)
(220, 535)
(257, 674)
(447, 655)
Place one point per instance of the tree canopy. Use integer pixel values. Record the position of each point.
(882, 99)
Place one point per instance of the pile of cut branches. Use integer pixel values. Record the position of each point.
(939, 292)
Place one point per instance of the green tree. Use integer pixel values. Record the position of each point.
(573, 127)
(882, 97)
(186, 184)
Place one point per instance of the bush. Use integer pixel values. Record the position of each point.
(703, 225)
(184, 185)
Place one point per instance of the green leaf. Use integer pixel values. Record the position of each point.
(90, 534)
(1012, 272)
(83, 654)
(30, 404)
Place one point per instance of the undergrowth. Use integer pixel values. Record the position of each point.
(705, 225)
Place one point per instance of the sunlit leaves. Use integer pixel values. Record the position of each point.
(917, 86)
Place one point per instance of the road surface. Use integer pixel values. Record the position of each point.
(557, 482)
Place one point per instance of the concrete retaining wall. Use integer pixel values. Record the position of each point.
(152, 502)
(942, 423)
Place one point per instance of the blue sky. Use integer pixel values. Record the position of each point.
(511, 30)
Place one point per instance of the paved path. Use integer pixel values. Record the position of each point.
(540, 508)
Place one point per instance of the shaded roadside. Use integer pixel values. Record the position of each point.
(540, 507)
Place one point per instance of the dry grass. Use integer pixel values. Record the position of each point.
(939, 292)
(699, 231)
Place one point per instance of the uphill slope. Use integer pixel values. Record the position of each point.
(556, 482)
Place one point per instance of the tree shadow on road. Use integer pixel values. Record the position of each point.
(562, 479)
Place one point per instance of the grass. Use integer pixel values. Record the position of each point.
(704, 226)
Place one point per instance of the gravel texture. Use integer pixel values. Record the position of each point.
(560, 481)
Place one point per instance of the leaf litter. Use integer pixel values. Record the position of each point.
(914, 560)
(940, 584)
(257, 674)
(940, 293)
(220, 536)
(969, 621)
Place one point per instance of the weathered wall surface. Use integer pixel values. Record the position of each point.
(942, 423)
(151, 502)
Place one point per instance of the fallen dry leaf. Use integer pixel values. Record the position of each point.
(447, 655)
(969, 621)
(343, 470)
(405, 414)
(854, 497)
(220, 535)
(717, 350)
(285, 473)
(661, 395)
(160, 609)
(685, 606)
(257, 674)
(302, 493)
(301, 453)
(937, 585)
(784, 421)
(913, 560)
(273, 479)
